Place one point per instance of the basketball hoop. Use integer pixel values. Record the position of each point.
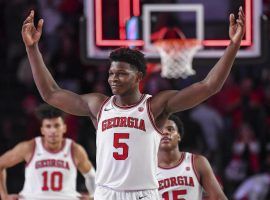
(177, 55)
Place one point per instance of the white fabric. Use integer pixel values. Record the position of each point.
(90, 181)
(103, 193)
(50, 175)
(136, 170)
(254, 188)
(180, 182)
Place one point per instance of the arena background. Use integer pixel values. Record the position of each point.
(237, 116)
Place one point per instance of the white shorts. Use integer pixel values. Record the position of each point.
(103, 193)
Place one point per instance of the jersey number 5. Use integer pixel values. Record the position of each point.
(120, 145)
(176, 195)
(52, 181)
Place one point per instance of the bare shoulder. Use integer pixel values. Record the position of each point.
(94, 101)
(163, 95)
(95, 97)
(26, 146)
(81, 158)
(79, 152)
(21, 152)
(200, 160)
(159, 102)
(77, 147)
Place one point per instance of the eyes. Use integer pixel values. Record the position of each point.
(169, 129)
(118, 74)
(52, 126)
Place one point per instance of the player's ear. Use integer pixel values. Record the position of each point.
(140, 76)
(65, 128)
(179, 137)
(41, 130)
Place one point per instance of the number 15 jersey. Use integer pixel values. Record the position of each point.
(181, 181)
(127, 146)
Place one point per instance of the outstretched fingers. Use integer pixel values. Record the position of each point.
(40, 25)
(241, 17)
(30, 18)
(232, 19)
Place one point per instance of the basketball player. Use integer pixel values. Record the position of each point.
(182, 175)
(127, 123)
(51, 162)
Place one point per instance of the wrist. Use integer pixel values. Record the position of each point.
(235, 44)
(32, 47)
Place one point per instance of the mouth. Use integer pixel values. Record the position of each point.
(115, 86)
(166, 139)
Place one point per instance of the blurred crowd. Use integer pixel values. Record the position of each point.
(232, 129)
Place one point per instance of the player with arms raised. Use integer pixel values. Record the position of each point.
(128, 122)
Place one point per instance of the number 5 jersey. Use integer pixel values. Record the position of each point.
(50, 175)
(127, 146)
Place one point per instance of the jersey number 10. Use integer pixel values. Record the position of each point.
(52, 181)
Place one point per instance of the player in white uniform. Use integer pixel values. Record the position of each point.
(131, 168)
(182, 175)
(51, 162)
(121, 138)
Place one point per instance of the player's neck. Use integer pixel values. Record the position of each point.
(169, 158)
(53, 147)
(128, 99)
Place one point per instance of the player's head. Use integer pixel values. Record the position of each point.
(128, 67)
(173, 132)
(52, 122)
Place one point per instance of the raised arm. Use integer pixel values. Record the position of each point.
(21, 152)
(85, 167)
(208, 179)
(49, 90)
(175, 101)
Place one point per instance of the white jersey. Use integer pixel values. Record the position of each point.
(127, 146)
(50, 175)
(181, 181)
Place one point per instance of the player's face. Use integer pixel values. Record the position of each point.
(171, 137)
(53, 130)
(123, 78)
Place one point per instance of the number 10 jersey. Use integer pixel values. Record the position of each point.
(50, 175)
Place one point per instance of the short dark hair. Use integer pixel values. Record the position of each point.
(179, 124)
(45, 111)
(131, 56)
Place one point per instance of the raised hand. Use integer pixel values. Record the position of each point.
(31, 34)
(237, 26)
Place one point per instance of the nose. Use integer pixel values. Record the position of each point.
(165, 132)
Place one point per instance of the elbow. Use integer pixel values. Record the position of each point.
(212, 88)
(47, 95)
